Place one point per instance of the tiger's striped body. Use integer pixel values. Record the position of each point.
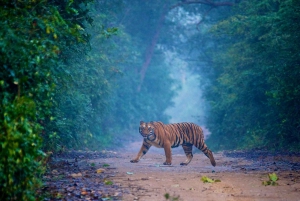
(168, 136)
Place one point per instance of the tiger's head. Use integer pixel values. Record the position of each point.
(147, 131)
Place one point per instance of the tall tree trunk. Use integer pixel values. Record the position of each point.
(151, 47)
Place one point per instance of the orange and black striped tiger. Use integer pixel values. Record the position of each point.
(168, 136)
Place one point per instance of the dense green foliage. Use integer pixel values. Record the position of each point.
(67, 81)
(32, 35)
(97, 97)
(255, 89)
(20, 147)
(81, 93)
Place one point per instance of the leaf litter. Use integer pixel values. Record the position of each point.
(70, 177)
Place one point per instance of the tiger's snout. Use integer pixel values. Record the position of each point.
(147, 133)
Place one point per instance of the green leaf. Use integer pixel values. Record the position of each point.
(108, 182)
(266, 183)
(272, 180)
(273, 177)
(207, 179)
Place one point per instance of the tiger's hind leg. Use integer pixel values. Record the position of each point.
(188, 152)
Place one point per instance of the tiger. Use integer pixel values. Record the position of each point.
(169, 136)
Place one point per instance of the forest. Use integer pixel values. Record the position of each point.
(79, 74)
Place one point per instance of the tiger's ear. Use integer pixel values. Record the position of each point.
(142, 122)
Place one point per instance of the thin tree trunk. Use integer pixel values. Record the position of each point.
(151, 47)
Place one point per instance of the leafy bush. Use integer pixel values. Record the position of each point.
(33, 34)
(19, 149)
(255, 89)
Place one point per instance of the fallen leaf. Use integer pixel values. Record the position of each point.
(273, 177)
(59, 196)
(266, 183)
(117, 194)
(105, 165)
(209, 180)
(100, 170)
(272, 180)
(108, 182)
(84, 193)
(76, 175)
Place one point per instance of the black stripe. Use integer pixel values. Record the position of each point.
(146, 146)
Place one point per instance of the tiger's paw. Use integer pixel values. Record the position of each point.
(167, 163)
(134, 161)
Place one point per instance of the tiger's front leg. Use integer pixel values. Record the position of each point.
(168, 153)
(144, 149)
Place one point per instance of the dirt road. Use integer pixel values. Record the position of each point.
(241, 176)
(109, 175)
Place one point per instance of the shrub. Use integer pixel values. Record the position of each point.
(19, 149)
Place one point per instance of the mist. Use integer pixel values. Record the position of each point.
(188, 103)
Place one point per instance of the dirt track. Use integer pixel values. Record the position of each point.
(241, 175)
(241, 178)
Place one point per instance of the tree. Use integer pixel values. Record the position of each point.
(33, 34)
(255, 89)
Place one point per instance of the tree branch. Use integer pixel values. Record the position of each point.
(205, 2)
(203, 17)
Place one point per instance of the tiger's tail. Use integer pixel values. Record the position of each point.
(198, 141)
(209, 154)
